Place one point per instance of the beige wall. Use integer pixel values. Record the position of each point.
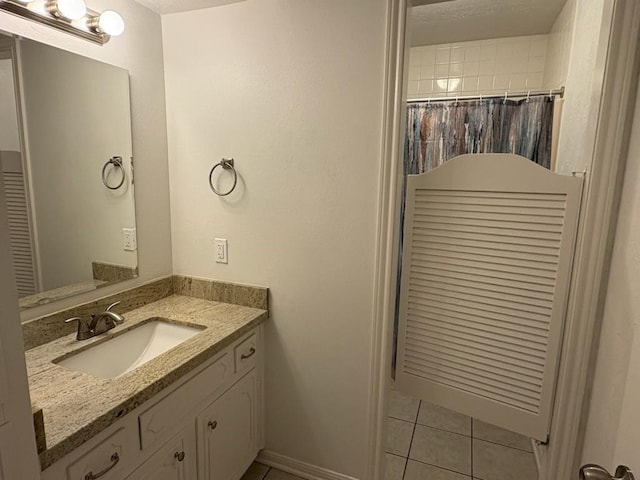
(613, 428)
(292, 89)
(583, 87)
(139, 50)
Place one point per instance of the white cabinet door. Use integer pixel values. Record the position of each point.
(227, 432)
(176, 460)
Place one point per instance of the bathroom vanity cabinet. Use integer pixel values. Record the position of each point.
(207, 426)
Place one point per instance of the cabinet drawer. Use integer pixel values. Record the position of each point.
(176, 460)
(159, 421)
(245, 354)
(107, 460)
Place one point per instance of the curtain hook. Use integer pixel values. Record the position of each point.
(551, 94)
(504, 102)
(528, 96)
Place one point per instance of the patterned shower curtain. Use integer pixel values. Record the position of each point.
(439, 131)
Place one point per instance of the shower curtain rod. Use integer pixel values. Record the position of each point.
(556, 92)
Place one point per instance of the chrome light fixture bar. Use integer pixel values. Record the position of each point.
(70, 16)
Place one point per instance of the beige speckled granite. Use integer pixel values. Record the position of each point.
(217, 291)
(50, 327)
(38, 425)
(110, 272)
(71, 413)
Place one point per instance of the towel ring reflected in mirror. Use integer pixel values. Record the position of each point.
(226, 164)
(117, 164)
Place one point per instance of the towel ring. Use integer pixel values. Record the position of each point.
(117, 163)
(226, 164)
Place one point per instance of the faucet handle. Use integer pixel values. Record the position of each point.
(112, 305)
(73, 319)
(84, 331)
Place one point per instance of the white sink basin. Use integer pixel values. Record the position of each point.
(127, 351)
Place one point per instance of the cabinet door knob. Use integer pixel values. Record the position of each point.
(179, 456)
(213, 424)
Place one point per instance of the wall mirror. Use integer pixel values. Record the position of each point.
(67, 170)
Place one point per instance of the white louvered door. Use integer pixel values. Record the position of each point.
(19, 226)
(487, 253)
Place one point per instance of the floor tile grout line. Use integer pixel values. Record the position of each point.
(266, 473)
(406, 463)
(471, 427)
(502, 445)
(441, 468)
(445, 430)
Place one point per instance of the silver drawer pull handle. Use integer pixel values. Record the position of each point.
(114, 461)
(251, 353)
(179, 456)
(213, 425)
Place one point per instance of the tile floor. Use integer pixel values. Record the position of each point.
(427, 442)
(258, 471)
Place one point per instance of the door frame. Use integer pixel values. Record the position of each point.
(617, 53)
(17, 436)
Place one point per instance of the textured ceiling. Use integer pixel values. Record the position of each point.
(173, 6)
(464, 20)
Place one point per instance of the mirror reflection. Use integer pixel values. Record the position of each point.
(67, 170)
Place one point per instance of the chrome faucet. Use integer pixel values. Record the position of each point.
(98, 324)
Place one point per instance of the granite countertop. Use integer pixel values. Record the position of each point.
(77, 406)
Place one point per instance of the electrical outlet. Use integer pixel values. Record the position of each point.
(221, 250)
(129, 241)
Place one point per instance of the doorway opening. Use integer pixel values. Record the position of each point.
(574, 59)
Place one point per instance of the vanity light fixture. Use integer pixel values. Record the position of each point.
(71, 16)
(108, 22)
(69, 9)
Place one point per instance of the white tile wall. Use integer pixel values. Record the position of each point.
(559, 47)
(480, 67)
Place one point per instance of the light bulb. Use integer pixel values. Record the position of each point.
(71, 9)
(111, 23)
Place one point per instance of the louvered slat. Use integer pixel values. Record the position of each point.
(19, 232)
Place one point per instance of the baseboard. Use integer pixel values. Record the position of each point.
(296, 467)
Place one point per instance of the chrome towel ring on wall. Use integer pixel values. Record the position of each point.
(226, 164)
(117, 163)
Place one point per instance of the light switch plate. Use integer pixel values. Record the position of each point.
(221, 250)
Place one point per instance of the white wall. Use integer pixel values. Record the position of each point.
(613, 433)
(77, 117)
(559, 49)
(478, 67)
(139, 50)
(583, 89)
(9, 138)
(292, 89)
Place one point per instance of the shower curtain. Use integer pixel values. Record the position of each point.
(439, 131)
